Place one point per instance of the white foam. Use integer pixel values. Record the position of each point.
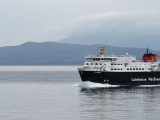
(88, 84)
(149, 86)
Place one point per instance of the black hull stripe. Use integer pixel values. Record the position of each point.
(121, 78)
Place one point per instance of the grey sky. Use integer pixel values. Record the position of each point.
(51, 20)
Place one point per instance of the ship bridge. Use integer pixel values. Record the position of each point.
(101, 61)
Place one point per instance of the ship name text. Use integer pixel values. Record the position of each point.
(145, 79)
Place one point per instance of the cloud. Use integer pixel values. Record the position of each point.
(120, 22)
(117, 28)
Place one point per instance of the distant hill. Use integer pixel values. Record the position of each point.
(51, 53)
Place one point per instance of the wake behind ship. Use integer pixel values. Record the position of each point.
(121, 70)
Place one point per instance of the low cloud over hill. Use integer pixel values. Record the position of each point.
(126, 29)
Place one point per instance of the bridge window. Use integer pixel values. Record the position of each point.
(102, 58)
(87, 63)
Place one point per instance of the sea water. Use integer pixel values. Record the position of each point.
(57, 93)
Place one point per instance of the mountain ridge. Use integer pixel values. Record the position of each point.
(53, 53)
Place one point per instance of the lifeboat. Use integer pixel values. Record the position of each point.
(149, 57)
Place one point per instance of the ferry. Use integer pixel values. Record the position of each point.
(121, 70)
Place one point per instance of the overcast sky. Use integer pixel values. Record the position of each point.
(51, 20)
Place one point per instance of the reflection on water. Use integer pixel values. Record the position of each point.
(50, 95)
(125, 103)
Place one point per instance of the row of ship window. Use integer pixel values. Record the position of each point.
(116, 69)
(129, 69)
(98, 59)
(116, 64)
(93, 64)
(122, 64)
(100, 64)
(135, 68)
